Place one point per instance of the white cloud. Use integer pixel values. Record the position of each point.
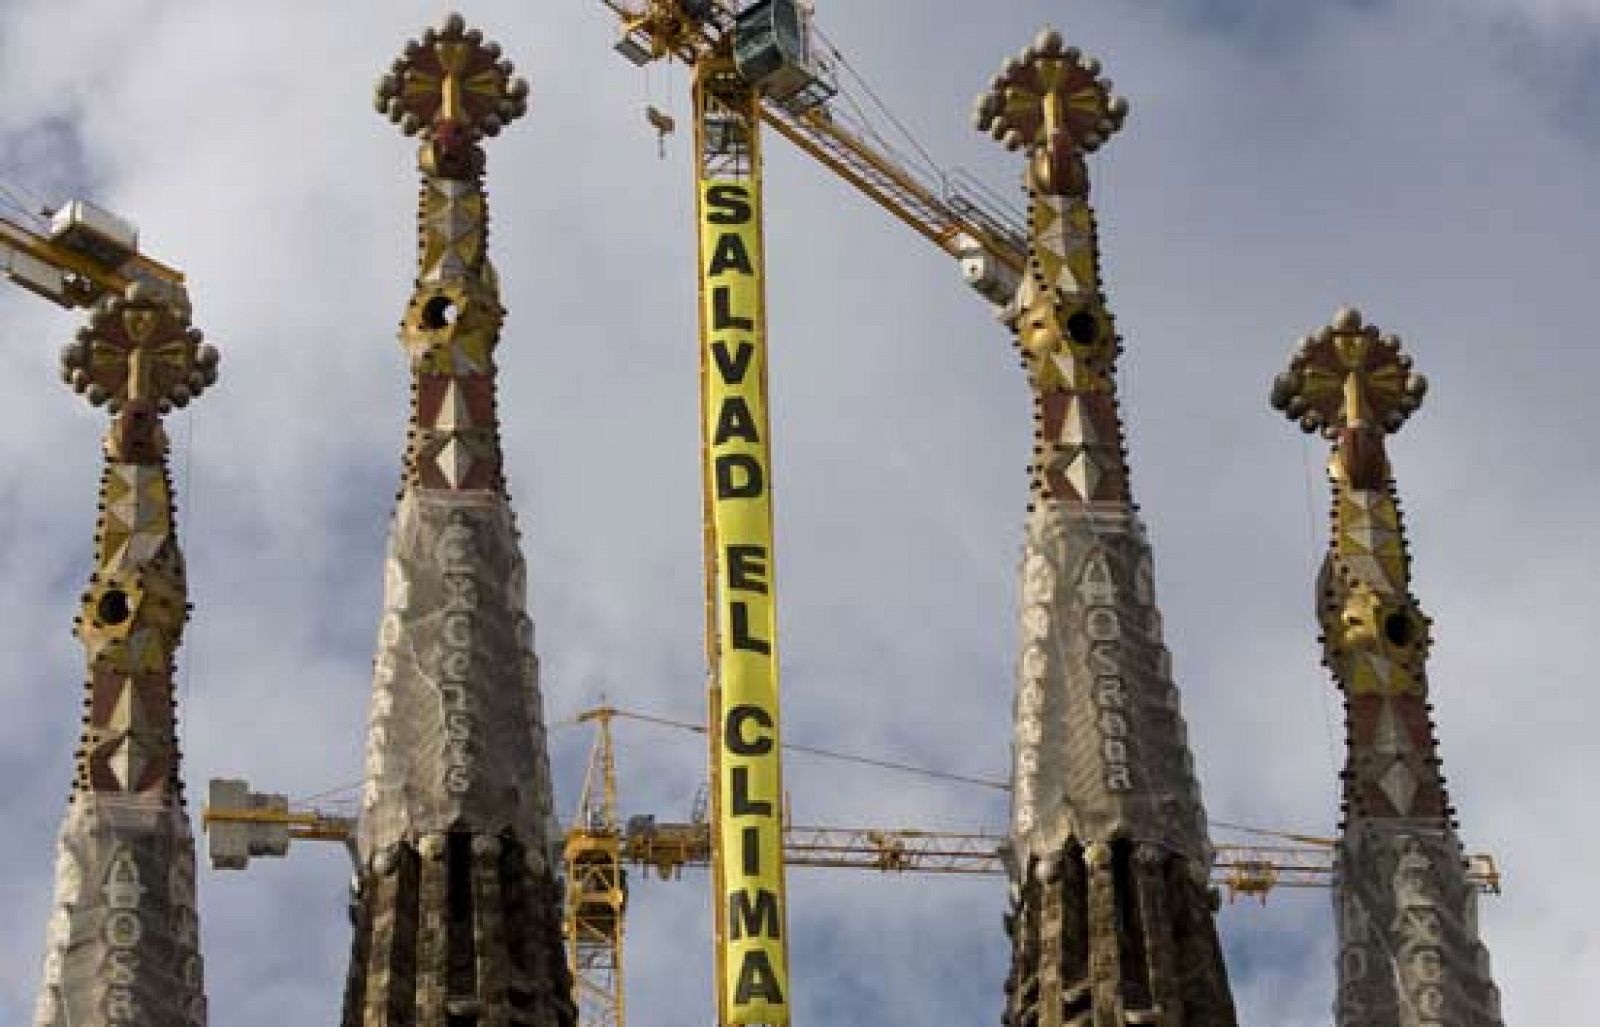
(1554, 11)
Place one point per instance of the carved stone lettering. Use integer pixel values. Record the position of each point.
(462, 590)
(1429, 1003)
(458, 630)
(121, 967)
(1102, 625)
(1110, 692)
(123, 929)
(1097, 585)
(1103, 659)
(1113, 725)
(1427, 966)
(456, 665)
(120, 1005)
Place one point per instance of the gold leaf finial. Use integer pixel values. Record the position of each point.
(1051, 101)
(452, 87)
(139, 350)
(1349, 374)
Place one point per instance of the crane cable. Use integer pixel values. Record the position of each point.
(700, 729)
(811, 750)
(877, 101)
(1306, 839)
(24, 201)
(1311, 537)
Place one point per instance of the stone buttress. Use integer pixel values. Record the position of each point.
(1111, 909)
(457, 912)
(123, 942)
(1409, 953)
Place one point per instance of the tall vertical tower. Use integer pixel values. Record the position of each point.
(1111, 917)
(123, 944)
(1409, 952)
(457, 913)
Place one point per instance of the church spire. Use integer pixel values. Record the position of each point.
(123, 943)
(1409, 953)
(1111, 917)
(457, 913)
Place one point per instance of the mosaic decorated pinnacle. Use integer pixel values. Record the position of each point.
(1052, 101)
(139, 353)
(452, 87)
(1349, 375)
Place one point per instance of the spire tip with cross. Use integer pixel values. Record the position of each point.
(139, 357)
(452, 87)
(1052, 101)
(1348, 375)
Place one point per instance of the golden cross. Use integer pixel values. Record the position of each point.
(452, 80)
(1349, 375)
(139, 350)
(1051, 94)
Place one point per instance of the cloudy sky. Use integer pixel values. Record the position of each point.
(1432, 161)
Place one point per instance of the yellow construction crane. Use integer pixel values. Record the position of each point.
(758, 63)
(797, 95)
(76, 253)
(600, 847)
(597, 889)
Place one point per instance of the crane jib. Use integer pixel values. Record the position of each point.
(750, 826)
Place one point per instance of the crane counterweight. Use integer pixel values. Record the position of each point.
(95, 232)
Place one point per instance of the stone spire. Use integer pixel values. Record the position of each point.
(1409, 953)
(1111, 910)
(457, 913)
(123, 944)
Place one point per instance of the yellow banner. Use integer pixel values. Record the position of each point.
(756, 963)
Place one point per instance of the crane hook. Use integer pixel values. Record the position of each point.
(664, 125)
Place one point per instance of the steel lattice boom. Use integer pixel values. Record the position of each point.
(989, 242)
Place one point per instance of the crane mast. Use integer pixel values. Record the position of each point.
(754, 63)
(597, 892)
(751, 939)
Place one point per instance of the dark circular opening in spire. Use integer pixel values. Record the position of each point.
(1399, 629)
(113, 608)
(1083, 328)
(439, 312)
